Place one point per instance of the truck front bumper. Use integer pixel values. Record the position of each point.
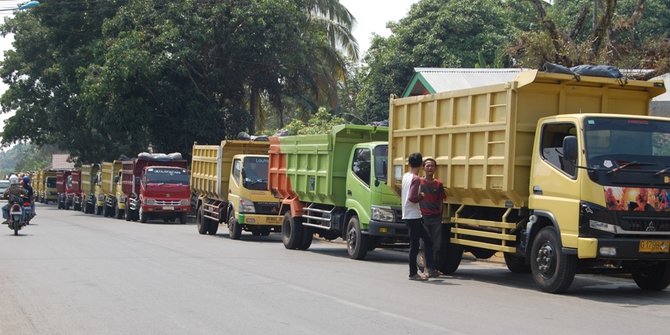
(260, 219)
(166, 209)
(624, 248)
(387, 229)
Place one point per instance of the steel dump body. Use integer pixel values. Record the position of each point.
(482, 138)
(210, 167)
(314, 168)
(88, 175)
(109, 170)
(74, 185)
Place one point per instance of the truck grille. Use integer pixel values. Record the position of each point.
(267, 208)
(646, 224)
(168, 202)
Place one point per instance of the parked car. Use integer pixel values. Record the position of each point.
(4, 184)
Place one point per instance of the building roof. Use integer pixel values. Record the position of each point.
(60, 162)
(429, 80)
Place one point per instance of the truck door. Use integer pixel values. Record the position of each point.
(358, 184)
(554, 187)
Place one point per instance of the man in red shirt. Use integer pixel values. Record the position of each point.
(431, 205)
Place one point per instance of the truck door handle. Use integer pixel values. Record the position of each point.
(537, 190)
(348, 192)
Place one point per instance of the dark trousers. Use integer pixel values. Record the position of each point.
(416, 233)
(433, 226)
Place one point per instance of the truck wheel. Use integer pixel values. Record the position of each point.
(357, 242)
(202, 222)
(182, 218)
(291, 231)
(118, 213)
(653, 278)
(552, 270)
(307, 236)
(142, 215)
(482, 253)
(234, 228)
(128, 214)
(516, 264)
(450, 256)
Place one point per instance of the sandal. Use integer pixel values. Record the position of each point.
(419, 277)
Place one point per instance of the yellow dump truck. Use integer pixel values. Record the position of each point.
(230, 181)
(105, 189)
(38, 187)
(562, 174)
(47, 191)
(89, 176)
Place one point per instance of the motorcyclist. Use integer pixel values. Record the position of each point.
(14, 190)
(29, 190)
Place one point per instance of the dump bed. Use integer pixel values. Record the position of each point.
(109, 171)
(314, 167)
(73, 182)
(210, 168)
(482, 137)
(88, 175)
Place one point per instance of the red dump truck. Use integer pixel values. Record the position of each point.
(155, 186)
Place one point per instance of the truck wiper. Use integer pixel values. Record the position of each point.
(662, 171)
(632, 163)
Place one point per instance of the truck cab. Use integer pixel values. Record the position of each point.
(50, 192)
(369, 196)
(251, 206)
(162, 191)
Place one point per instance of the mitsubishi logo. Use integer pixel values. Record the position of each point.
(651, 226)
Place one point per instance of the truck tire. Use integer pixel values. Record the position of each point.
(291, 231)
(234, 228)
(307, 236)
(653, 278)
(128, 214)
(516, 264)
(118, 213)
(482, 253)
(357, 242)
(202, 222)
(143, 216)
(450, 256)
(553, 271)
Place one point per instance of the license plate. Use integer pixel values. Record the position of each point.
(654, 246)
(275, 219)
(168, 208)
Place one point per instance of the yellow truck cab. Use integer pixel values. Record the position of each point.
(230, 182)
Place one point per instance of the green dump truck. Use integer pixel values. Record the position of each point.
(563, 175)
(334, 184)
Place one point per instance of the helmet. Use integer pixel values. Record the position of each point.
(26, 180)
(13, 180)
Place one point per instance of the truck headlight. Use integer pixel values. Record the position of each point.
(247, 206)
(184, 202)
(149, 201)
(602, 226)
(383, 214)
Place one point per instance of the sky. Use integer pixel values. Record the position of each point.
(372, 16)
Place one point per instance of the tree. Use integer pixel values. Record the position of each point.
(436, 33)
(626, 33)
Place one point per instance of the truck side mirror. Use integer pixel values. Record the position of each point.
(570, 148)
(116, 179)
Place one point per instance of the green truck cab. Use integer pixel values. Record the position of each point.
(334, 185)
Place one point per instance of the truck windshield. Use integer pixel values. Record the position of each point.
(625, 144)
(51, 182)
(255, 173)
(167, 176)
(381, 161)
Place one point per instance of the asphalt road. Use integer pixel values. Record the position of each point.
(70, 273)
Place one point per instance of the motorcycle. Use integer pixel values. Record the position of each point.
(20, 213)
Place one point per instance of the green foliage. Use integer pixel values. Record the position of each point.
(25, 157)
(321, 122)
(436, 33)
(104, 79)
